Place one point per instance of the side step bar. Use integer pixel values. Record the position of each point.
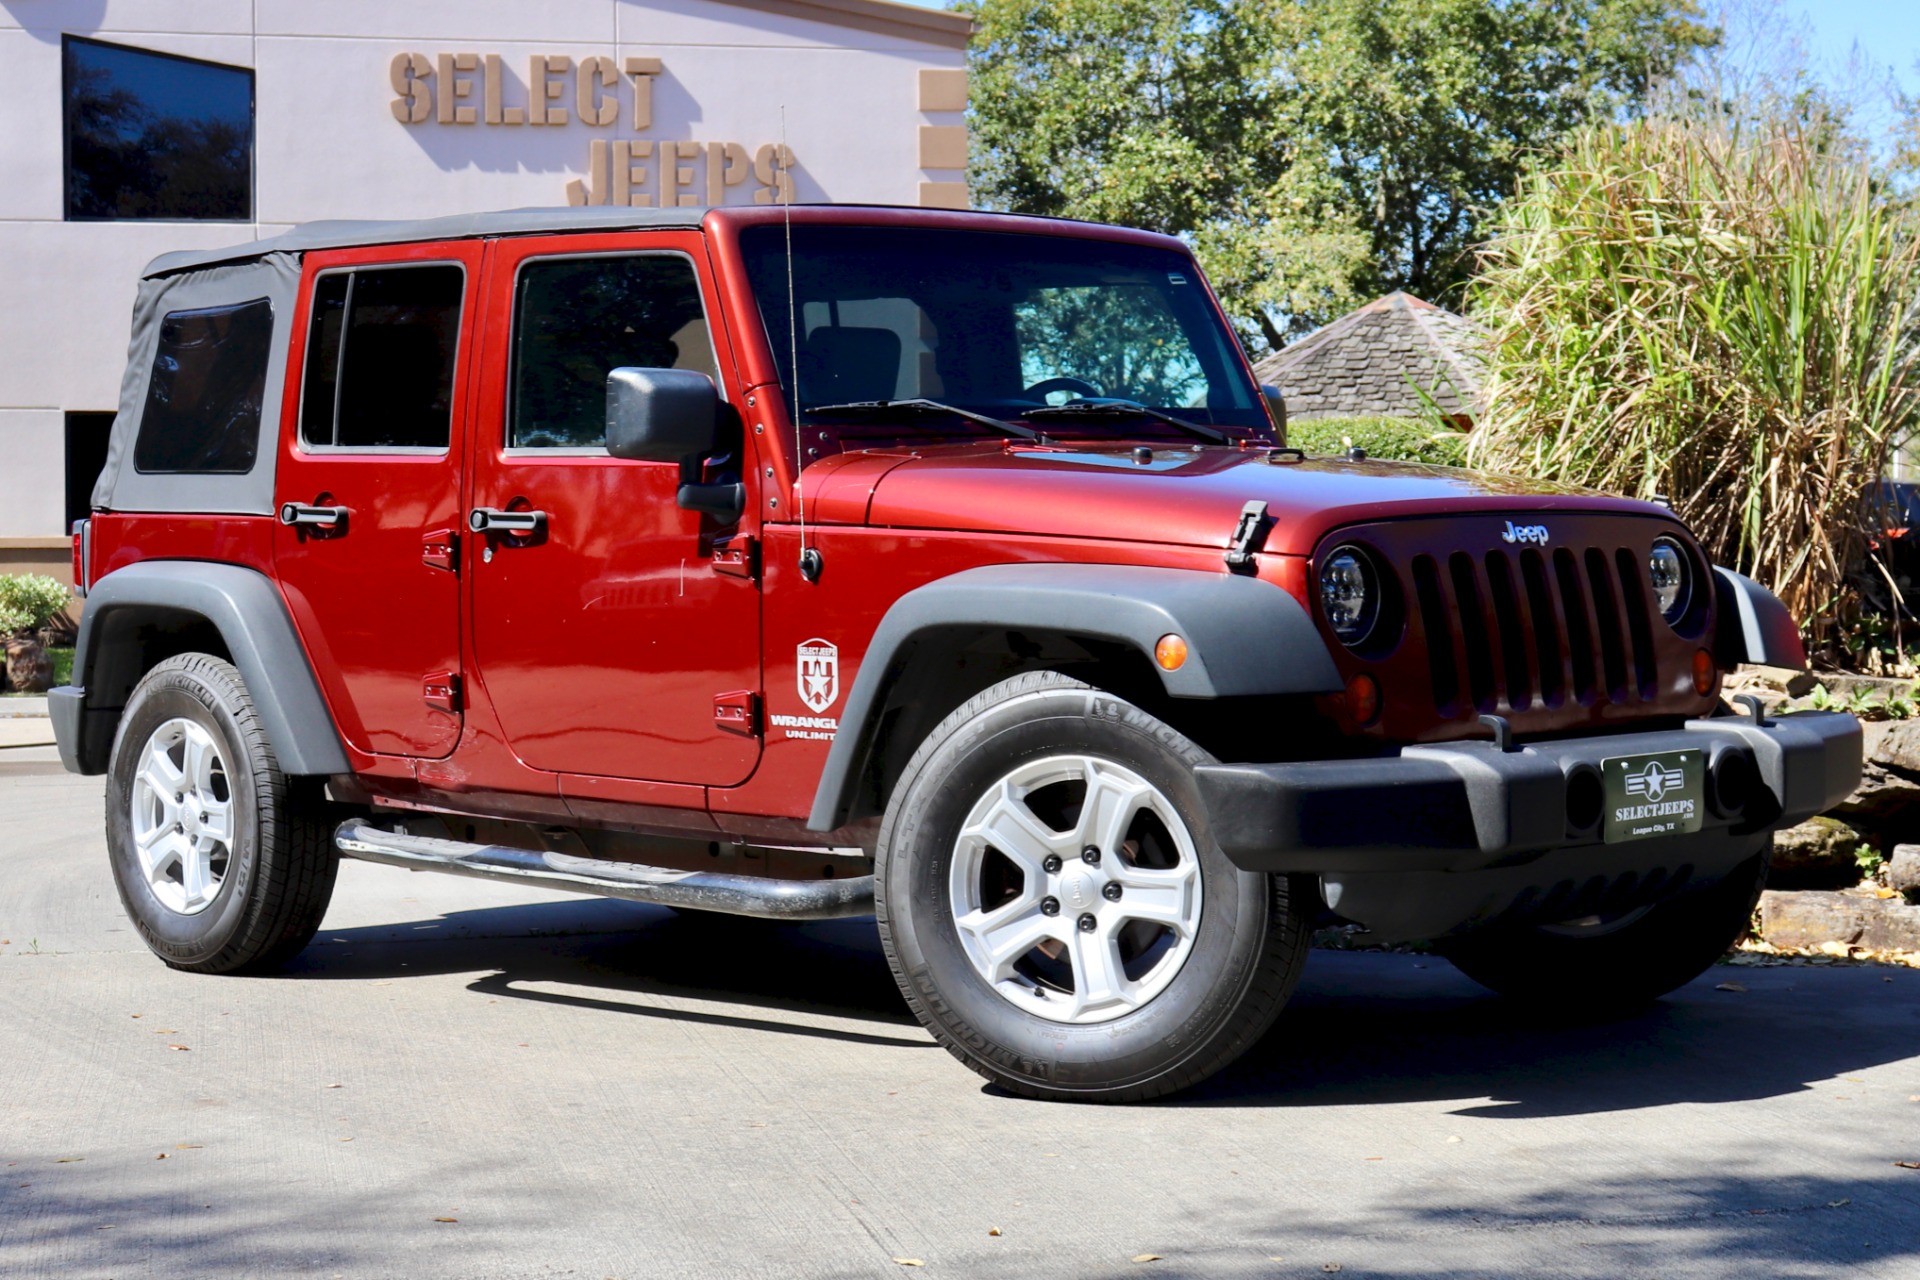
(693, 890)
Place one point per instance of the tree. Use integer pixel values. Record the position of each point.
(1311, 150)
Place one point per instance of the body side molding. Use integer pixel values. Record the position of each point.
(1245, 637)
(246, 608)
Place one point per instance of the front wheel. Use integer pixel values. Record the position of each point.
(1055, 909)
(1615, 963)
(224, 864)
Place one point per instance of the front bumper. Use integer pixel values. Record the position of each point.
(1442, 838)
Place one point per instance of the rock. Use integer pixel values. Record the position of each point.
(1803, 920)
(1818, 852)
(1897, 746)
(1801, 683)
(1903, 869)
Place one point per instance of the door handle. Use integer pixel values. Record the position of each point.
(293, 513)
(494, 520)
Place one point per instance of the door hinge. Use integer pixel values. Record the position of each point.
(441, 691)
(737, 557)
(737, 712)
(441, 550)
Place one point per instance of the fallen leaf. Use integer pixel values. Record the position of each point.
(108, 1227)
(1145, 1257)
(1454, 1138)
(1729, 986)
(1330, 1266)
(993, 1231)
(346, 1139)
(1376, 1157)
(69, 1159)
(1906, 1164)
(446, 1219)
(910, 1262)
(1883, 893)
(161, 1156)
(187, 1146)
(1835, 1204)
(179, 1048)
(333, 1086)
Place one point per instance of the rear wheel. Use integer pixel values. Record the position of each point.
(1055, 909)
(224, 864)
(1611, 963)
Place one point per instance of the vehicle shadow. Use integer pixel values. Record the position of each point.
(1368, 1028)
(1362, 1028)
(647, 960)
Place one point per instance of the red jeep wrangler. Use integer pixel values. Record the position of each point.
(944, 567)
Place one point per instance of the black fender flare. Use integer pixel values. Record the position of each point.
(1754, 626)
(1245, 637)
(246, 609)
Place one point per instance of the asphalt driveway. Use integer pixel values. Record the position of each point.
(460, 1079)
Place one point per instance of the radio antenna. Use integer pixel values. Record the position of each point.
(809, 556)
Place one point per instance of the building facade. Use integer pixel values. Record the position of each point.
(135, 127)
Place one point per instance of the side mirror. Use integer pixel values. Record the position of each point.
(672, 415)
(661, 415)
(1276, 409)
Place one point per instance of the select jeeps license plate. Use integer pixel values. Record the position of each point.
(1654, 795)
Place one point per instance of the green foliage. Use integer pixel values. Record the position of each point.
(62, 666)
(1396, 439)
(28, 600)
(1725, 317)
(1423, 114)
(1314, 152)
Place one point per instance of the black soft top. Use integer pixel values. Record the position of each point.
(350, 233)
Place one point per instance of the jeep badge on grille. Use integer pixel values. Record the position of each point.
(1525, 533)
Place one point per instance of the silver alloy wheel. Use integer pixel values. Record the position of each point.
(182, 812)
(1082, 922)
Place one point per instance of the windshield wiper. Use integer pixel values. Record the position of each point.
(920, 405)
(1104, 407)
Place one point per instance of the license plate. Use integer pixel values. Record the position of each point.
(1654, 795)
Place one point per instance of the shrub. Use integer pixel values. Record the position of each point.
(1397, 439)
(28, 600)
(1725, 318)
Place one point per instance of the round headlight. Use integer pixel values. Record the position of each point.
(1349, 594)
(1670, 574)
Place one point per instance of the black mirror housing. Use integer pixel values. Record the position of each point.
(661, 415)
(1276, 410)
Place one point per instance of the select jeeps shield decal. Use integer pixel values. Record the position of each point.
(817, 665)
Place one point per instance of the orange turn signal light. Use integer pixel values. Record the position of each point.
(1363, 699)
(1170, 652)
(1704, 674)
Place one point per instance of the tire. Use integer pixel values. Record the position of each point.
(1612, 966)
(1198, 955)
(241, 882)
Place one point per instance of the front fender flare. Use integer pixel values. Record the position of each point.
(246, 609)
(1245, 638)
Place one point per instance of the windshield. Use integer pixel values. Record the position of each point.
(997, 324)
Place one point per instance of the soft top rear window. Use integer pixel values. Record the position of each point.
(205, 394)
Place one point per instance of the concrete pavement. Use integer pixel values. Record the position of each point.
(588, 1088)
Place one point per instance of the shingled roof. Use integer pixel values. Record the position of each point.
(1369, 362)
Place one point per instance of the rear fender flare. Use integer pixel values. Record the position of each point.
(246, 609)
(1245, 637)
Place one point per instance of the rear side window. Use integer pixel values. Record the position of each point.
(577, 319)
(381, 348)
(203, 400)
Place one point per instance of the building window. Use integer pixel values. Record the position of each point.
(87, 437)
(380, 357)
(204, 398)
(150, 135)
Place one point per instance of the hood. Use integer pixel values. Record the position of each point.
(1191, 496)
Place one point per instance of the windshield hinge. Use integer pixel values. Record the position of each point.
(1247, 534)
(737, 712)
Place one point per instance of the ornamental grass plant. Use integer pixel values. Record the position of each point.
(1725, 318)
